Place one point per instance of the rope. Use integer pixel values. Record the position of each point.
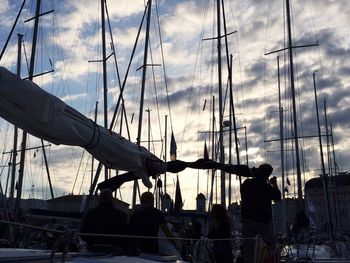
(114, 235)
(91, 143)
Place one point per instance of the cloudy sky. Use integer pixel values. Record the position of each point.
(183, 82)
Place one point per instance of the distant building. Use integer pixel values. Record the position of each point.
(68, 209)
(339, 202)
(76, 203)
(338, 188)
(166, 205)
(200, 200)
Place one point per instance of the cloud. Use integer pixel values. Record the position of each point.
(192, 79)
(4, 12)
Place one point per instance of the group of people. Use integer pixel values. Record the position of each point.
(107, 227)
(139, 233)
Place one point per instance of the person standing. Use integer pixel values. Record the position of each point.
(220, 229)
(257, 194)
(146, 221)
(105, 218)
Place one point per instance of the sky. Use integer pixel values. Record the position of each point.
(183, 81)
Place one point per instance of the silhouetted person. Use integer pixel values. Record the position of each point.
(300, 227)
(195, 229)
(220, 229)
(105, 218)
(146, 221)
(257, 194)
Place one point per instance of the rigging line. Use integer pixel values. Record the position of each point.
(7, 179)
(164, 73)
(298, 93)
(155, 86)
(62, 81)
(227, 56)
(4, 166)
(128, 68)
(307, 8)
(12, 29)
(63, 86)
(117, 70)
(194, 73)
(113, 46)
(239, 64)
(267, 25)
(312, 20)
(163, 62)
(4, 141)
(84, 175)
(8, 125)
(25, 56)
(76, 176)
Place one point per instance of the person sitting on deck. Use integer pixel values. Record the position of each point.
(105, 219)
(146, 221)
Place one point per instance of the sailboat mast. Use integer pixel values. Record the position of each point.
(281, 120)
(230, 135)
(104, 71)
(281, 125)
(324, 181)
(24, 134)
(295, 126)
(104, 64)
(213, 157)
(229, 62)
(327, 139)
(165, 147)
(221, 143)
(144, 71)
(15, 135)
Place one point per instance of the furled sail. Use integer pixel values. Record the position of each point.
(26, 105)
(177, 166)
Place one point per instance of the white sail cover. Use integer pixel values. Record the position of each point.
(26, 105)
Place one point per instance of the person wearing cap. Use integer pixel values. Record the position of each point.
(105, 218)
(257, 194)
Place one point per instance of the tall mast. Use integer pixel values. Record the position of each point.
(15, 135)
(143, 85)
(229, 61)
(144, 72)
(212, 155)
(104, 71)
(165, 148)
(221, 142)
(324, 176)
(281, 124)
(24, 134)
(104, 64)
(295, 126)
(230, 136)
(335, 194)
(280, 110)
